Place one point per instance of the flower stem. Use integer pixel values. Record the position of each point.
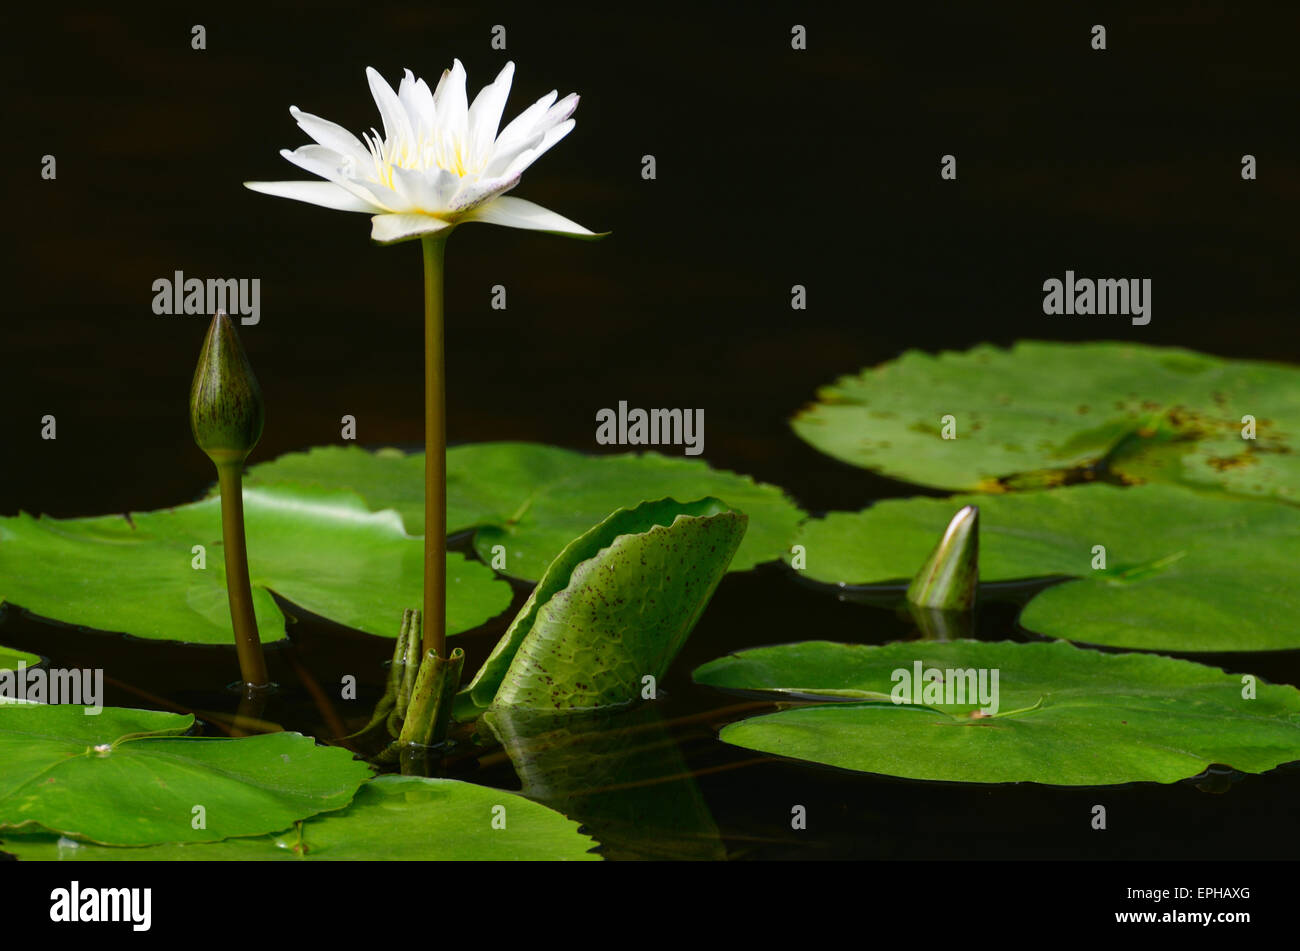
(252, 664)
(435, 452)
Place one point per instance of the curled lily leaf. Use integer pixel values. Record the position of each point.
(612, 610)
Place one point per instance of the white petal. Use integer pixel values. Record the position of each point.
(535, 139)
(517, 213)
(330, 134)
(502, 159)
(325, 194)
(445, 184)
(442, 84)
(389, 229)
(451, 107)
(525, 159)
(397, 127)
(329, 165)
(521, 128)
(417, 100)
(560, 111)
(478, 191)
(485, 116)
(428, 192)
(319, 160)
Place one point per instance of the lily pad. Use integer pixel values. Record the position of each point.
(1065, 716)
(533, 499)
(127, 777)
(396, 818)
(614, 607)
(322, 550)
(1184, 570)
(10, 658)
(1042, 413)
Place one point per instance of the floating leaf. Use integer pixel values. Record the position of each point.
(534, 499)
(620, 774)
(322, 550)
(10, 658)
(616, 605)
(127, 777)
(396, 818)
(1184, 570)
(1030, 414)
(1066, 716)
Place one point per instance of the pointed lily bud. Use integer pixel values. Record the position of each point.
(225, 400)
(947, 579)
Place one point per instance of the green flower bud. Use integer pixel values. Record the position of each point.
(947, 579)
(225, 400)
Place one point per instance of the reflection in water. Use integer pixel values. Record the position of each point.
(252, 704)
(620, 774)
(939, 625)
(1217, 780)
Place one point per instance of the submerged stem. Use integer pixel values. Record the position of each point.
(248, 716)
(435, 451)
(252, 664)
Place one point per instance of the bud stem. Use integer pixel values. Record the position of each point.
(429, 711)
(252, 664)
(435, 452)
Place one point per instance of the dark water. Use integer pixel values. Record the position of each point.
(775, 167)
(656, 783)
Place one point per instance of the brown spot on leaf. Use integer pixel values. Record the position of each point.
(1226, 463)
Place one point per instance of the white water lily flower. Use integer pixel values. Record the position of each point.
(439, 162)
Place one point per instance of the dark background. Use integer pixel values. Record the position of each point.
(775, 167)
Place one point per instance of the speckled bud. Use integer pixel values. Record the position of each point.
(225, 400)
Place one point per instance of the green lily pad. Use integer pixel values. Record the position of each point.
(127, 777)
(1184, 570)
(10, 658)
(1031, 414)
(397, 818)
(1065, 716)
(322, 550)
(533, 500)
(615, 606)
